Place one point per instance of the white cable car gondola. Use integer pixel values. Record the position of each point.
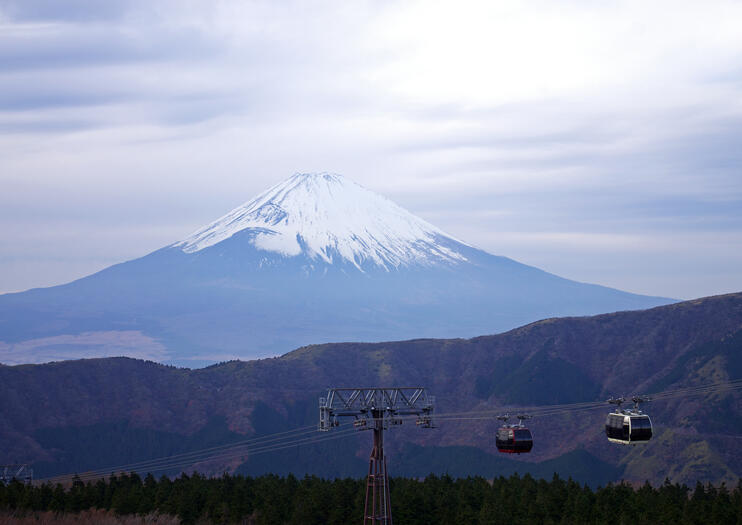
(628, 426)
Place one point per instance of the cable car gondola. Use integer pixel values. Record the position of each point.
(514, 439)
(628, 426)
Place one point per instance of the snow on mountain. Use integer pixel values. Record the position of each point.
(324, 216)
(271, 276)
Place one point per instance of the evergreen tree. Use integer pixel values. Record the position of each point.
(271, 499)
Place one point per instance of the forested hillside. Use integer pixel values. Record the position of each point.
(75, 416)
(271, 500)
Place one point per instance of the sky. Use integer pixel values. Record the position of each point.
(601, 141)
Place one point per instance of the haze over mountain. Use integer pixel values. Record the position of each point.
(316, 258)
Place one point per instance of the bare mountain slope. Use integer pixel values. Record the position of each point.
(94, 413)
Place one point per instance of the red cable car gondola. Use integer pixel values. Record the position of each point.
(514, 439)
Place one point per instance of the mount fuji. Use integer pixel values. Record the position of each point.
(314, 259)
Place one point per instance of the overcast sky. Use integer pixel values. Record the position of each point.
(598, 141)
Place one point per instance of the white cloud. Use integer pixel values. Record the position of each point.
(591, 121)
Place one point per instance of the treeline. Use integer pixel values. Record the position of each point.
(435, 500)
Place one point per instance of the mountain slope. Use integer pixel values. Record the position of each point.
(50, 411)
(316, 258)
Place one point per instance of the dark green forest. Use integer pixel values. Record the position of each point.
(271, 499)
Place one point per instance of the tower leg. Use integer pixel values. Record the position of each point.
(378, 507)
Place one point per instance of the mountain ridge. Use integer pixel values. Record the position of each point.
(664, 348)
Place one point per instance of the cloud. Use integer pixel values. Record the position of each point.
(590, 121)
(69, 10)
(44, 125)
(85, 345)
(62, 46)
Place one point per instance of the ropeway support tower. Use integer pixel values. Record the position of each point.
(22, 473)
(376, 409)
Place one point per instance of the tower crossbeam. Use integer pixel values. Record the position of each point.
(376, 409)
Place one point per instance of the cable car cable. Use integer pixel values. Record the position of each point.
(279, 443)
(196, 453)
(227, 454)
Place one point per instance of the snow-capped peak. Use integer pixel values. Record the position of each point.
(325, 216)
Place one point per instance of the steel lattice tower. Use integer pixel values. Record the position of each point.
(22, 473)
(376, 409)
